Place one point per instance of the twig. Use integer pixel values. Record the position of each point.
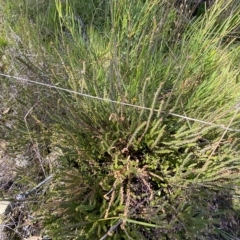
(22, 196)
(120, 221)
(112, 229)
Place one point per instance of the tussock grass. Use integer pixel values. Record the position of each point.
(130, 172)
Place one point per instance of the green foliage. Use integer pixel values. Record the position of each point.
(3, 42)
(166, 168)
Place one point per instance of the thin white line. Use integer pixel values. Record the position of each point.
(117, 102)
(71, 91)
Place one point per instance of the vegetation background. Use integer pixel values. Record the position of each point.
(133, 107)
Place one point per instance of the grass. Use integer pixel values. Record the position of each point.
(166, 167)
